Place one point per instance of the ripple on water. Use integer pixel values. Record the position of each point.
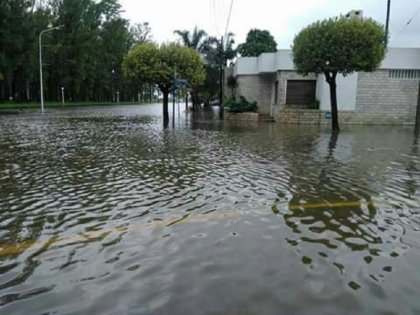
(102, 211)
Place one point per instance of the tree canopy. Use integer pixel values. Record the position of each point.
(159, 65)
(84, 56)
(340, 45)
(197, 40)
(257, 42)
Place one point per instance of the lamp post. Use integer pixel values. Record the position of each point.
(41, 85)
(113, 85)
(62, 95)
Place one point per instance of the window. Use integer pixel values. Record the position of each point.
(406, 74)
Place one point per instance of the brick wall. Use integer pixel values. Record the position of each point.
(317, 117)
(242, 116)
(378, 93)
(298, 116)
(380, 99)
(258, 88)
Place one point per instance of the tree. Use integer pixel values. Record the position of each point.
(159, 64)
(18, 50)
(199, 41)
(257, 42)
(218, 53)
(341, 45)
(85, 56)
(196, 40)
(232, 83)
(141, 33)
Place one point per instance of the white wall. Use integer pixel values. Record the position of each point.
(246, 66)
(266, 63)
(402, 58)
(346, 92)
(396, 58)
(284, 60)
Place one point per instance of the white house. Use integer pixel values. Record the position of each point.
(386, 96)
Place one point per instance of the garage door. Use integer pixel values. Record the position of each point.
(300, 92)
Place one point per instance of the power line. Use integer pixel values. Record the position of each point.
(213, 12)
(228, 20)
(406, 25)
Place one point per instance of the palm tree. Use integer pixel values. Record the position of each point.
(216, 53)
(219, 53)
(196, 40)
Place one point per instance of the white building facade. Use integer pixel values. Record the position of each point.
(386, 96)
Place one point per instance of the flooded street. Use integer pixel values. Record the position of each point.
(104, 212)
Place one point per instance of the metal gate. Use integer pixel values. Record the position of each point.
(300, 92)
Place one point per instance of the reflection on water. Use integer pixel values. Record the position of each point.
(102, 211)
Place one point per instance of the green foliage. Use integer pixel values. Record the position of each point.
(219, 52)
(84, 57)
(339, 45)
(241, 106)
(158, 64)
(196, 40)
(232, 83)
(257, 42)
(141, 33)
(18, 49)
(314, 104)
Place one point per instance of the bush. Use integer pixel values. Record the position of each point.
(314, 104)
(241, 106)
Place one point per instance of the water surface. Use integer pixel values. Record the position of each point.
(102, 211)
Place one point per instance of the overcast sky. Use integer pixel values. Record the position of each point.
(282, 18)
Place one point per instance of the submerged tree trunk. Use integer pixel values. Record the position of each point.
(331, 80)
(195, 100)
(165, 108)
(186, 102)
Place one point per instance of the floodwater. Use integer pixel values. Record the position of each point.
(104, 212)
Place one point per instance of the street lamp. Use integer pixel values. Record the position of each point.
(41, 85)
(62, 95)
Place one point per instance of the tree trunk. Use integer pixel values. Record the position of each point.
(165, 108)
(417, 127)
(186, 102)
(331, 80)
(195, 100)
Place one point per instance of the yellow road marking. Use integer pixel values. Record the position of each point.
(341, 204)
(89, 236)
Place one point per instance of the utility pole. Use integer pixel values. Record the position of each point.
(221, 75)
(173, 99)
(417, 126)
(388, 13)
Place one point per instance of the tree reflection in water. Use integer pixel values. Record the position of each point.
(335, 221)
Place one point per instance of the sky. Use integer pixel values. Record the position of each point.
(284, 19)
